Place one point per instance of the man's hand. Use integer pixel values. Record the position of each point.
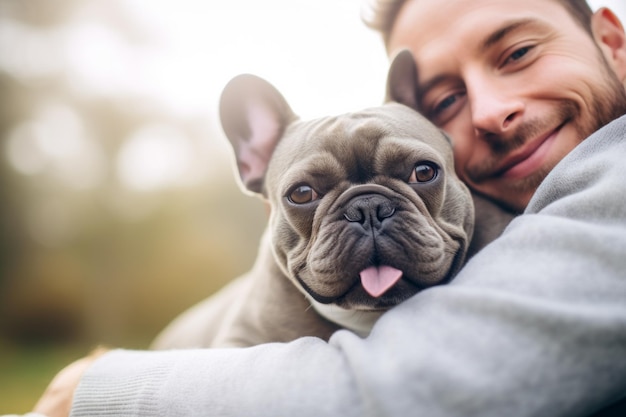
(56, 400)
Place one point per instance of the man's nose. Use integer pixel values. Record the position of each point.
(496, 109)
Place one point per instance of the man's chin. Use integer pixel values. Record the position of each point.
(516, 194)
(517, 204)
(514, 199)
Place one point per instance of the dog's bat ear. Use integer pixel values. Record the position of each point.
(402, 80)
(254, 115)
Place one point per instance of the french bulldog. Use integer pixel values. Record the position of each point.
(366, 211)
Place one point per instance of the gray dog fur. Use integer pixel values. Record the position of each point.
(357, 201)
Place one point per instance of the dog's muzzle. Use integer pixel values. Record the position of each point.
(369, 211)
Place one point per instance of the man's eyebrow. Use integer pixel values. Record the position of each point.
(508, 27)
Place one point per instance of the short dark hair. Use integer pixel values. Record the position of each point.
(380, 15)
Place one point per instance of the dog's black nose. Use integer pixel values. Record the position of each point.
(369, 210)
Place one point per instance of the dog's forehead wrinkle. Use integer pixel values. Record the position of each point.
(320, 170)
(338, 142)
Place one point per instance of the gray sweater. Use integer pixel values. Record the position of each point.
(534, 325)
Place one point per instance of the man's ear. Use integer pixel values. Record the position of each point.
(402, 80)
(254, 116)
(609, 34)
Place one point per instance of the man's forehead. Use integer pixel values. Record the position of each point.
(420, 22)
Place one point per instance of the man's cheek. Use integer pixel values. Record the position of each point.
(461, 158)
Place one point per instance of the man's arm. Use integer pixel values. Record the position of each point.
(56, 401)
(534, 325)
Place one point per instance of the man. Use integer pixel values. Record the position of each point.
(535, 324)
(515, 95)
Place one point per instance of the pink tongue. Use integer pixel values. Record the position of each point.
(377, 280)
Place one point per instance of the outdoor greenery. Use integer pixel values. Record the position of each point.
(116, 213)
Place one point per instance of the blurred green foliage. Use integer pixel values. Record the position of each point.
(26, 370)
(87, 257)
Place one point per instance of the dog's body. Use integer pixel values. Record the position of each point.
(366, 211)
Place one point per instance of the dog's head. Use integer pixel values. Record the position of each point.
(366, 207)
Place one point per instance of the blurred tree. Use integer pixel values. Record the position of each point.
(83, 254)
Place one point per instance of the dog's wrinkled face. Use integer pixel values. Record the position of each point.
(361, 215)
(366, 207)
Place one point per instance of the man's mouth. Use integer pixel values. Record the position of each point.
(529, 159)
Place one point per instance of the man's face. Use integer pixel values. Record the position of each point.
(517, 84)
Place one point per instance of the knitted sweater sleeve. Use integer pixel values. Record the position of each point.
(534, 325)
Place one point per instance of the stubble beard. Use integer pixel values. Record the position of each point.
(608, 104)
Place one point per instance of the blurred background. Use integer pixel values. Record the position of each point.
(118, 204)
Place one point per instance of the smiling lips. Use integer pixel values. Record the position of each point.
(529, 159)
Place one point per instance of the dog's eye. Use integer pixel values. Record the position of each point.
(303, 194)
(424, 172)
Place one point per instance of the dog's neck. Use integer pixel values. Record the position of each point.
(360, 322)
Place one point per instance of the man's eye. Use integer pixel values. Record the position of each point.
(445, 109)
(303, 194)
(445, 103)
(518, 54)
